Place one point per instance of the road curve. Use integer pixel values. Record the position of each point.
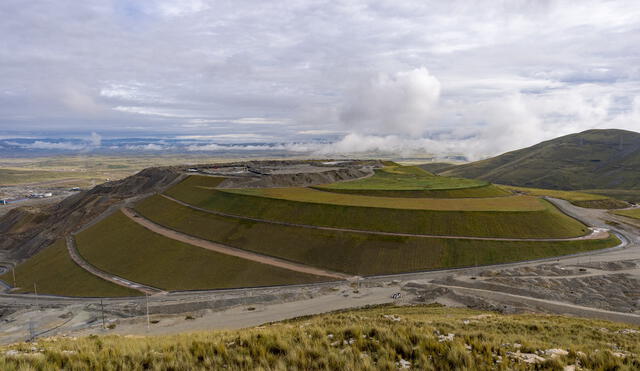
(594, 235)
(79, 260)
(227, 250)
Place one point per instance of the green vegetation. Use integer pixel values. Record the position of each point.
(364, 339)
(629, 195)
(545, 223)
(594, 159)
(357, 253)
(411, 181)
(53, 272)
(631, 213)
(582, 199)
(120, 246)
(512, 203)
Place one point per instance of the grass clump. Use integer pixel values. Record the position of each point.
(349, 252)
(365, 339)
(120, 246)
(53, 272)
(547, 222)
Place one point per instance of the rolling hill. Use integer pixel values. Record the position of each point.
(593, 159)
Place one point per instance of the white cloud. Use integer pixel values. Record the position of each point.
(401, 103)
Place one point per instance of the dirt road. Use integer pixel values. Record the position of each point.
(227, 250)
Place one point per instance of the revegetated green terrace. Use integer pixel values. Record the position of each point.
(408, 178)
(356, 253)
(411, 181)
(122, 247)
(509, 203)
(53, 272)
(631, 213)
(363, 339)
(581, 199)
(546, 223)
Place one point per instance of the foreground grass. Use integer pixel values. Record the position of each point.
(511, 203)
(582, 199)
(411, 181)
(122, 247)
(53, 271)
(380, 338)
(545, 223)
(355, 253)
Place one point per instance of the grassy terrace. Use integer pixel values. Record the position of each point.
(364, 339)
(53, 271)
(581, 199)
(120, 246)
(411, 181)
(545, 223)
(354, 253)
(631, 213)
(511, 203)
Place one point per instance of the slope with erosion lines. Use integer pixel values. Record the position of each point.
(122, 247)
(350, 252)
(545, 223)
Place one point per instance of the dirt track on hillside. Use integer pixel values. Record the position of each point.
(227, 250)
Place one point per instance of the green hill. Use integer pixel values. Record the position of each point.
(594, 159)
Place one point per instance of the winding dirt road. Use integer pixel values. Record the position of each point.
(227, 250)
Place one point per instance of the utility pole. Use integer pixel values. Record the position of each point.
(102, 308)
(147, 295)
(13, 271)
(35, 289)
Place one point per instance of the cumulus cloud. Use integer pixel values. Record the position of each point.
(401, 103)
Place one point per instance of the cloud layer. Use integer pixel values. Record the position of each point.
(476, 78)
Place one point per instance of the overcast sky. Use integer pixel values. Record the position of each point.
(472, 77)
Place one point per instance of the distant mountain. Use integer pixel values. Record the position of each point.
(593, 159)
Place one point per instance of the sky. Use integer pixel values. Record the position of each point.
(468, 77)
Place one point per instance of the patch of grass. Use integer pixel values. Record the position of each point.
(348, 252)
(545, 223)
(631, 213)
(582, 199)
(411, 181)
(629, 195)
(513, 203)
(120, 246)
(53, 271)
(364, 339)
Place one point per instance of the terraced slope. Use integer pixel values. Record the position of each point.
(631, 213)
(547, 222)
(120, 246)
(348, 252)
(411, 181)
(53, 271)
(509, 203)
(582, 199)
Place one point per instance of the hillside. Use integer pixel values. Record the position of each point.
(379, 338)
(594, 159)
